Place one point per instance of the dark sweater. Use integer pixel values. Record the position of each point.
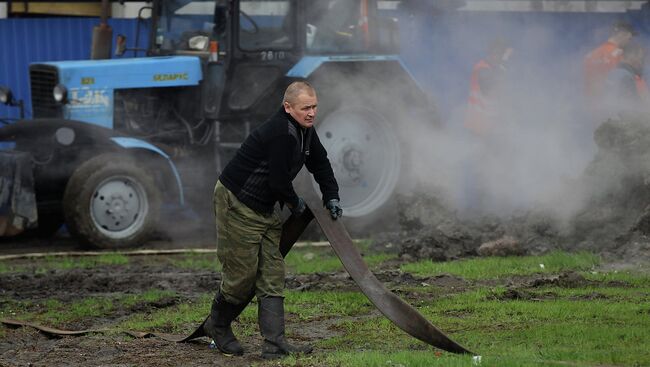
(263, 168)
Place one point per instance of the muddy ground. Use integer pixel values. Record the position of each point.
(28, 347)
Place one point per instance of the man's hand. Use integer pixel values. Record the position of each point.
(335, 208)
(297, 210)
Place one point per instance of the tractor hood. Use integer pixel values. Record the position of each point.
(91, 84)
(164, 71)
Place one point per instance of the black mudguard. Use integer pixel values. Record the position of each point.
(17, 198)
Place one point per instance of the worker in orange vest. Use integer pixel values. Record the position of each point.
(625, 87)
(599, 62)
(485, 86)
(485, 121)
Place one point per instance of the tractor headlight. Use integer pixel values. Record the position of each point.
(60, 93)
(5, 95)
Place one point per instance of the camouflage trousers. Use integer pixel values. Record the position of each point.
(247, 248)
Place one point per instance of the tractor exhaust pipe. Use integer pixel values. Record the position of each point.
(102, 35)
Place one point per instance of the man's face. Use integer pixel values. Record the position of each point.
(303, 109)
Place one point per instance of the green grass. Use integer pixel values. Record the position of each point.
(500, 267)
(6, 267)
(373, 358)
(87, 308)
(611, 294)
(505, 333)
(81, 262)
(631, 277)
(307, 260)
(56, 313)
(48, 263)
(310, 305)
(12, 309)
(196, 261)
(606, 322)
(304, 306)
(177, 319)
(149, 296)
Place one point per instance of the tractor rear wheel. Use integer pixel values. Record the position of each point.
(364, 151)
(111, 202)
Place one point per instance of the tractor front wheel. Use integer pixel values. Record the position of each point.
(111, 202)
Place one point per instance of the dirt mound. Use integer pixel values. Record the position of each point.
(504, 246)
(616, 184)
(432, 231)
(610, 215)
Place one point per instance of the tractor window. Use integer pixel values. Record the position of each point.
(265, 24)
(190, 25)
(335, 26)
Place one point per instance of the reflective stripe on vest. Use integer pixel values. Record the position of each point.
(476, 97)
(641, 88)
(479, 108)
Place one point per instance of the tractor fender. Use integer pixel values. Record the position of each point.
(89, 139)
(308, 65)
(133, 143)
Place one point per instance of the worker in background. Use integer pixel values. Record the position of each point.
(599, 62)
(487, 123)
(625, 87)
(248, 221)
(486, 87)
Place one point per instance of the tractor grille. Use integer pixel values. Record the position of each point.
(43, 79)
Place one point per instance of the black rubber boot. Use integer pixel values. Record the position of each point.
(217, 326)
(271, 319)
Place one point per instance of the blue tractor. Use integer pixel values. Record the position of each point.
(113, 143)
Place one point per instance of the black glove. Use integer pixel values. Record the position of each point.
(334, 208)
(297, 210)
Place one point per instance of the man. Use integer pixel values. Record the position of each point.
(625, 87)
(486, 84)
(599, 62)
(248, 226)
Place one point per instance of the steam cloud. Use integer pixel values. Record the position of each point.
(545, 140)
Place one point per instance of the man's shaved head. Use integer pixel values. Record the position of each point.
(301, 103)
(295, 89)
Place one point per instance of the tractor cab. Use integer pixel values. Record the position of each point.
(314, 27)
(249, 47)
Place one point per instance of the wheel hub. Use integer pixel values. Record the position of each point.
(364, 153)
(117, 204)
(352, 162)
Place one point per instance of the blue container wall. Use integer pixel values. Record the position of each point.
(24, 41)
